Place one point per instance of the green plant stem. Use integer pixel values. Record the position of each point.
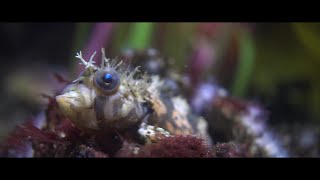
(140, 36)
(246, 61)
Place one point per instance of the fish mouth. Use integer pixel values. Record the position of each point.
(70, 98)
(67, 105)
(63, 101)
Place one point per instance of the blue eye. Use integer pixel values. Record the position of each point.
(107, 81)
(107, 78)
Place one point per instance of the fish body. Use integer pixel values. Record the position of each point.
(117, 96)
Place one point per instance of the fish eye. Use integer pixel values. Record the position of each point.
(107, 78)
(107, 81)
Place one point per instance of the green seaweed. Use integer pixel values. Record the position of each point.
(246, 61)
(140, 36)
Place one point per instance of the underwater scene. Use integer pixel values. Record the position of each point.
(160, 90)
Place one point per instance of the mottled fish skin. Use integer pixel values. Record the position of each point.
(165, 112)
(168, 117)
(113, 96)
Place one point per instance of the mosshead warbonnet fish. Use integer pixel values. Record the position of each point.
(116, 96)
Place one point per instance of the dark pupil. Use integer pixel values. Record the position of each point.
(107, 78)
